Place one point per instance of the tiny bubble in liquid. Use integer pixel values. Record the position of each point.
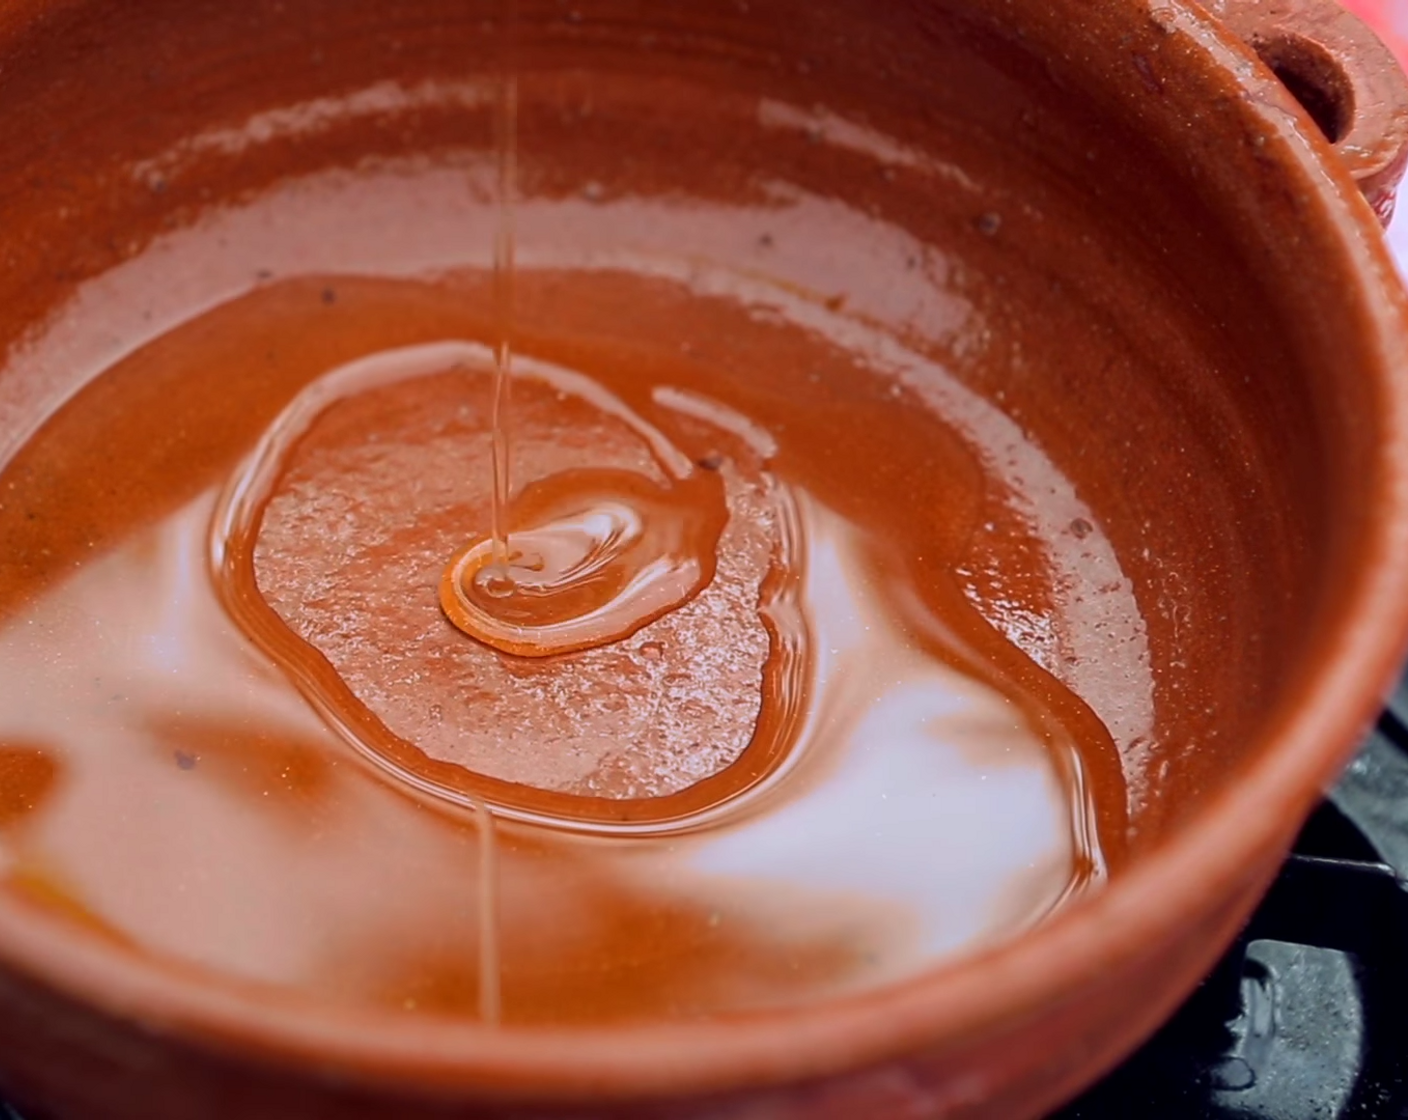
(494, 582)
(694, 708)
(651, 651)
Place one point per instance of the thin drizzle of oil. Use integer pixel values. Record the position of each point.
(506, 152)
(490, 961)
(601, 565)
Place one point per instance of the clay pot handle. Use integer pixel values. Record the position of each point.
(1343, 75)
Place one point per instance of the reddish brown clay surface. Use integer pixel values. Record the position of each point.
(1073, 312)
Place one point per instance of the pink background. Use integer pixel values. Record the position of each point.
(1390, 17)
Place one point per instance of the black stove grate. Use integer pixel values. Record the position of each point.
(1306, 1018)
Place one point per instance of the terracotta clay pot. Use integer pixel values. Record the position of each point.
(1206, 334)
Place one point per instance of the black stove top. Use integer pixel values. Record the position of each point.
(1306, 1018)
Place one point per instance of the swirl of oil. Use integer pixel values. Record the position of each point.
(593, 556)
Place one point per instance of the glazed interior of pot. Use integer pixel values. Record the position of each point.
(1029, 360)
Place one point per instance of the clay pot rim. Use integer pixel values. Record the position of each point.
(965, 998)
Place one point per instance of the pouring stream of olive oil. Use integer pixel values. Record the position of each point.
(506, 155)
